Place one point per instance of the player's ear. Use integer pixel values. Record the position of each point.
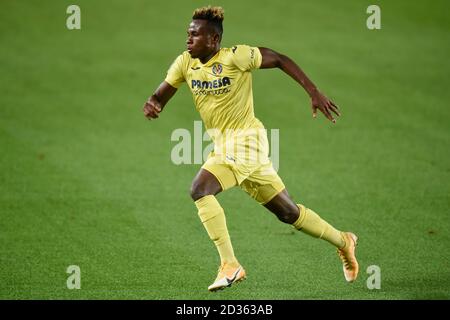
(216, 38)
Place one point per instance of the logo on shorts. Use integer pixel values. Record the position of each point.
(230, 158)
(217, 69)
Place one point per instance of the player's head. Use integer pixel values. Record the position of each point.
(205, 31)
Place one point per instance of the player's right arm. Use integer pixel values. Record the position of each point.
(175, 77)
(155, 104)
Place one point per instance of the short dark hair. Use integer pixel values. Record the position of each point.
(214, 16)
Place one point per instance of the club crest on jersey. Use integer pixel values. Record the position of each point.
(217, 69)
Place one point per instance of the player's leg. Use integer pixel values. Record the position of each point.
(309, 222)
(283, 207)
(304, 219)
(204, 184)
(266, 187)
(204, 188)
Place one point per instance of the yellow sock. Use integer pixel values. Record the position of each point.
(213, 218)
(311, 223)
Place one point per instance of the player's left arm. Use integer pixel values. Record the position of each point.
(272, 59)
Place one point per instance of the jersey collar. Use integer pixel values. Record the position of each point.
(212, 60)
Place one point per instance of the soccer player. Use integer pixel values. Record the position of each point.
(220, 80)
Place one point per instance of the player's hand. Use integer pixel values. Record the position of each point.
(152, 108)
(325, 105)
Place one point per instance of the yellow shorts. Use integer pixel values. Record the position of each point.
(252, 171)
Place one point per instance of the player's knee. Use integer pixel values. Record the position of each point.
(198, 191)
(204, 186)
(288, 215)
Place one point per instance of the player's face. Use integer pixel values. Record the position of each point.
(200, 40)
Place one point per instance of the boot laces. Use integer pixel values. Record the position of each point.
(344, 259)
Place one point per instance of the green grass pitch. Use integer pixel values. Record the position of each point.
(86, 180)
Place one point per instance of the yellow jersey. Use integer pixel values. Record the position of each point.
(221, 88)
